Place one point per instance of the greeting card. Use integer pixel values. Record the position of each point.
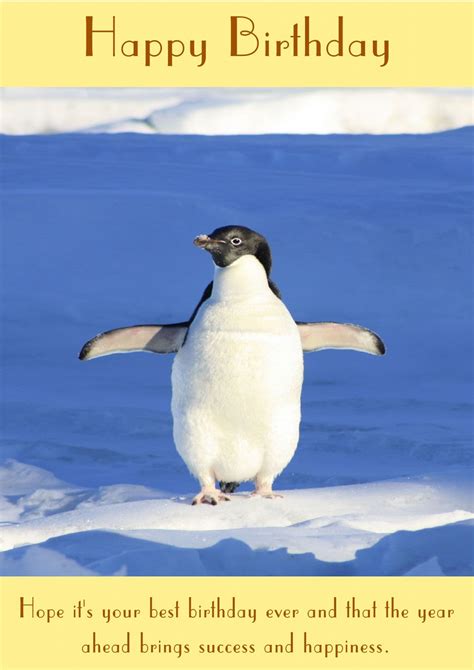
(268, 205)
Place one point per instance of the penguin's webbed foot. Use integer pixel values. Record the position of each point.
(263, 487)
(265, 493)
(210, 495)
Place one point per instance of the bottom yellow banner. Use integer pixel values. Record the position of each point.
(236, 622)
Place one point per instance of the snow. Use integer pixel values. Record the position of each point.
(98, 232)
(236, 111)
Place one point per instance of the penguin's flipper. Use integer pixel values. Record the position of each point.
(165, 339)
(317, 336)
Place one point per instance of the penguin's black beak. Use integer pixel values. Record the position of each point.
(206, 242)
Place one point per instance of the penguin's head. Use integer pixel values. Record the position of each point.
(229, 243)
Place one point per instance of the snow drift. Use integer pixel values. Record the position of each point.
(235, 111)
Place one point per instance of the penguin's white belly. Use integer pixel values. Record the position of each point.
(237, 388)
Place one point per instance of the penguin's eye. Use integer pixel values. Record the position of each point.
(236, 241)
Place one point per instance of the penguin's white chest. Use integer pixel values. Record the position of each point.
(237, 380)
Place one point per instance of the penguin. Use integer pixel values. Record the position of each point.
(238, 370)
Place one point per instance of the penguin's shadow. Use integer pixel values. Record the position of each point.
(432, 551)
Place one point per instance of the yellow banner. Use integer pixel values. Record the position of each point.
(284, 622)
(237, 44)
